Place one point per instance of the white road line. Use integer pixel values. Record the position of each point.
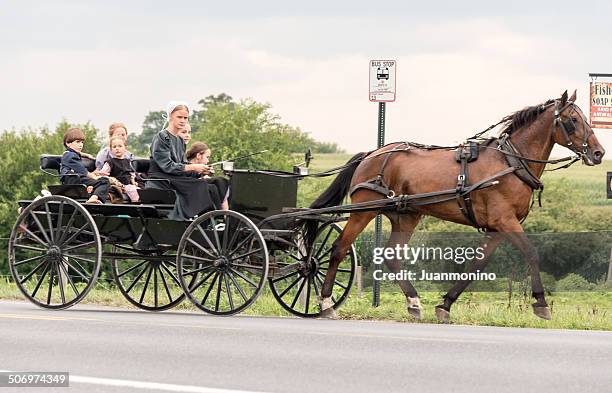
(168, 387)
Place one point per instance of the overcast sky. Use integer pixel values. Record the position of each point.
(461, 65)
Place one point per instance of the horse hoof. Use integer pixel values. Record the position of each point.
(542, 312)
(442, 315)
(415, 313)
(414, 307)
(328, 313)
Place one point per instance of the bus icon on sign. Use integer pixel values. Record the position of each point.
(382, 73)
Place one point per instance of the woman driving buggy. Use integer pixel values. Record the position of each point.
(193, 195)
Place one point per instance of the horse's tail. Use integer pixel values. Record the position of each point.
(333, 195)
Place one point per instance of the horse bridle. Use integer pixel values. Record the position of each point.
(567, 127)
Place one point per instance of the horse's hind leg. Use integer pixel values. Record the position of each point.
(356, 223)
(489, 244)
(402, 227)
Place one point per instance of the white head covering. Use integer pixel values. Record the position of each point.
(173, 104)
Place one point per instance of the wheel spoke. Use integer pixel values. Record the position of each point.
(26, 278)
(51, 276)
(29, 247)
(329, 250)
(229, 292)
(243, 242)
(335, 281)
(74, 288)
(339, 270)
(163, 278)
(307, 295)
(42, 229)
(60, 216)
(290, 286)
(68, 227)
(29, 260)
(82, 245)
(147, 280)
(246, 254)
(212, 284)
(226, 230)
(192, 288)
(198, 270)
(61, 285)
(245, 278)
(316, 287)
(130, 269)
(190, 240)
(40, 280)
(36, 238)
(244, 296)
(196, 258)
(215, 232)
(299, 292)
(155, 293)
(234, 236)
(76, 270)
(51, 231)
(142, 272)
(285, 276)
(242, 265)
(205, 236)
(218, 292)
(77, 233)
(80, 258)
(331, 229)
(174, 278)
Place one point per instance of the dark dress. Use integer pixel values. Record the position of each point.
(121, 169)
(194, 196)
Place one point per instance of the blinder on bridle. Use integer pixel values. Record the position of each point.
(568, 127)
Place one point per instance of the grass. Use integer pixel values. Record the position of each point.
(571, 310)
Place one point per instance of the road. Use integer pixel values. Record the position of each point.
(117, 350)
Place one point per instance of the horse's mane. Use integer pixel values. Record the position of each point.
(524, 117)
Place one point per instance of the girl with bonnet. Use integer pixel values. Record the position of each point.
(193, 195)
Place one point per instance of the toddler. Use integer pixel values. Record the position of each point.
(120, 169)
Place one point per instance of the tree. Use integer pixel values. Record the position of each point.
(153, 123)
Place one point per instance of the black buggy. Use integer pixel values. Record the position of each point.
(221, 260)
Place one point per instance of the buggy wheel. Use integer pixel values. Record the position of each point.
(148, 281)
(301, 272)
(222, 262)
(55, 252)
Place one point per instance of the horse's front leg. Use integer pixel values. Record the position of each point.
(520, 240)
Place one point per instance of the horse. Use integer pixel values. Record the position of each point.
(516, 160)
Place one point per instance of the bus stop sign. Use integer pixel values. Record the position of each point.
(382, 80)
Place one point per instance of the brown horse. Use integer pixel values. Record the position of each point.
(497, 209)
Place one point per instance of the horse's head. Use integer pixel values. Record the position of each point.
(572, 130)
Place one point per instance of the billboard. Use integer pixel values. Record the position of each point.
(601, 104)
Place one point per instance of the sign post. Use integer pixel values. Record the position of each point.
(382, 90)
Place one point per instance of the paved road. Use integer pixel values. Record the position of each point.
(125, 349)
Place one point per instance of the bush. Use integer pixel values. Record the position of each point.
(574, 282)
